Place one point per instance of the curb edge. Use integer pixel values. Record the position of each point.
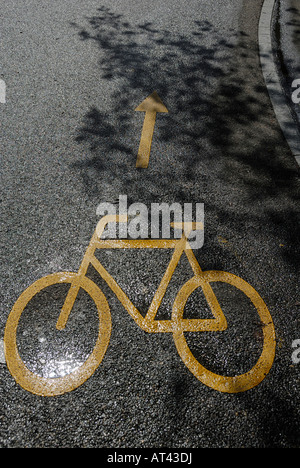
(272, 80)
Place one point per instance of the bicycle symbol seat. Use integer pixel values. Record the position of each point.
(177, 325)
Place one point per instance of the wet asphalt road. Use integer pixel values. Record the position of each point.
(69, 140)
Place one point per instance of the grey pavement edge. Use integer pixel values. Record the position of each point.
(273, 82)
(287, 42)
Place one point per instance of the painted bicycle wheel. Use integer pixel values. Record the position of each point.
(40, 385)
(221, 383)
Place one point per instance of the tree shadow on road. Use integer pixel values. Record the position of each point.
(221, 123)
(220, 143)
(141, 59)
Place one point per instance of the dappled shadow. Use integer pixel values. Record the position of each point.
(294, 25)
(220, 142)
(141, 59)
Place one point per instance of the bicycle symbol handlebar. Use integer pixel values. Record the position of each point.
(187, 227)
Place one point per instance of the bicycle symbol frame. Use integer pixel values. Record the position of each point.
(177, 325)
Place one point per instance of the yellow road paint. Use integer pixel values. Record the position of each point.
(226, 384)
(56, 386)
(151, 105)
(176, 325)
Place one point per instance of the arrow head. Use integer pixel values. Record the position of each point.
(152, 103)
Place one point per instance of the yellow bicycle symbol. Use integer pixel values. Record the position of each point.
(177, 325)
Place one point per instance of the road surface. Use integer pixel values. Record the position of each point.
(75, 73)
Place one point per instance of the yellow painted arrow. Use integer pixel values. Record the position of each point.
(151, 105)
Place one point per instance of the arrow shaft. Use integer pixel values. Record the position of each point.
(146, 140)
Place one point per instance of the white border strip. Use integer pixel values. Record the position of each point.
(272, 80)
